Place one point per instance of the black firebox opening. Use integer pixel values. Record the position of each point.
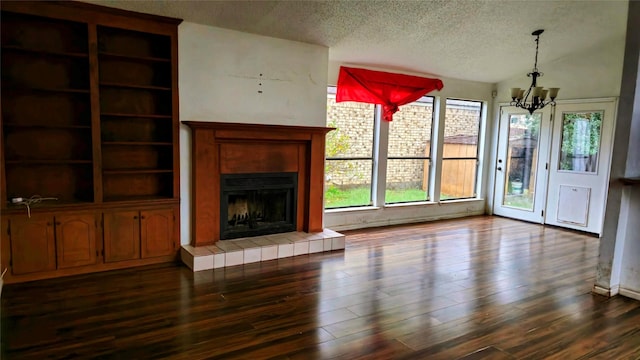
(257, 204)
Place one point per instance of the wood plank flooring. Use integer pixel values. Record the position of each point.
(475, 288)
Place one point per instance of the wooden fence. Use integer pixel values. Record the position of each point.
(458, 176)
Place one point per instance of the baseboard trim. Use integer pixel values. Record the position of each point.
(630, 293)
(606, 292)
(405, 221)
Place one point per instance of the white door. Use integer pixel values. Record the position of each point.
(523, 153)
(580, 161)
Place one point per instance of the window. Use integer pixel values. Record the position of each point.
(364, 148)
(409, 151)
(580, 141)
(460, 149)
(349, 153)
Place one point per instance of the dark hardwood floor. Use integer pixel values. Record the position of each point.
(476, 288)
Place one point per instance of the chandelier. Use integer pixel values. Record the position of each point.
(536, 97)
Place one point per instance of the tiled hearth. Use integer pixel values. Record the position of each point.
(260, 248)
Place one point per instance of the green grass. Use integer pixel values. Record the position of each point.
(398, 196)
(519, 201)
(335, 197)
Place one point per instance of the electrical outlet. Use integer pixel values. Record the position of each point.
(17, 200)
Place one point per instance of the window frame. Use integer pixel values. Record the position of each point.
(430, 157)
(481, 120)
(331, 91)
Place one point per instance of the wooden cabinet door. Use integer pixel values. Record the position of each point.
(32, 244)
(121, 236)
(157, 232)
(76, 240)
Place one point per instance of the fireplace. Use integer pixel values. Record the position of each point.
(257, 204)
(229, 154)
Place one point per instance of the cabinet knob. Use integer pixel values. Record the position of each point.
(135, 217)
(141, 217)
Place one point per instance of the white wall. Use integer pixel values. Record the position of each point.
(230, 76)
(630, 255)
(401, 214)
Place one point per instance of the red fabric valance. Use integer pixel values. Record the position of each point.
(378, 87)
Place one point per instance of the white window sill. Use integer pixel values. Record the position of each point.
(400, 205)
(453, 201)
(408, 204)
(351, 209)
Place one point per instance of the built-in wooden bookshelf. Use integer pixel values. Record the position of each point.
(136, 113)
(89, 122)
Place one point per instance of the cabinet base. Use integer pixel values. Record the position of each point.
(13, 279)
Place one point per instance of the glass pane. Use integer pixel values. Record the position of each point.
(580, 141)
(353, 136)
(458, 179)
(410, 130)
(522, 161)
(407, 180)
(461, 127)
(347, 183)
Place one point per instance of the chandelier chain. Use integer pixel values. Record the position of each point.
(535, 64)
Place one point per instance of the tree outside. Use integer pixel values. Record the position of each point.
(580, 141)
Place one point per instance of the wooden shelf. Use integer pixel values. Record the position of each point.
(136, 171)
(47, 203)
(44, 89)
(134, 198)
(44, 52)
(47, 162)
(150, 116)
(134, 58)
(48, 126)
(136, 86)
(137, 143)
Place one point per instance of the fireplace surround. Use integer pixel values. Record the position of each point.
(232, 151)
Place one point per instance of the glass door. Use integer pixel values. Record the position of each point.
(521, 170)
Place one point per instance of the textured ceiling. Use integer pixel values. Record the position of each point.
(481, 40)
